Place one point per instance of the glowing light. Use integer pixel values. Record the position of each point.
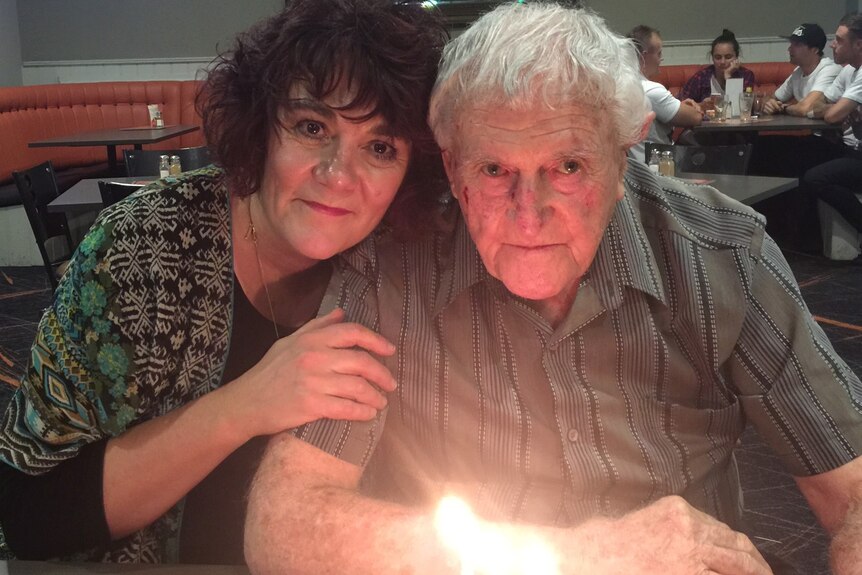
(485, 549)
(429, 4)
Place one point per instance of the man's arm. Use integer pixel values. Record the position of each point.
(836, 498)
(834, 113)
(807, 104)
(688, 115)
(305, 516)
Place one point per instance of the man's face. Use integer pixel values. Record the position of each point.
(846, 49)
(537, 188)
(800, 53)
(652, 56)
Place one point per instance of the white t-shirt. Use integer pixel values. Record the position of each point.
(797, 86)
(665, 107)
(848, 84)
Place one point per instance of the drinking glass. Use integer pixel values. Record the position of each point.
(746, 102)
(757, 107)
(720, 104)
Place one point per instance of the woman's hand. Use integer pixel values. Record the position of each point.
(323, 370)
(730, 70)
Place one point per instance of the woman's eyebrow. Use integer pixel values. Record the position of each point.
(312, 105)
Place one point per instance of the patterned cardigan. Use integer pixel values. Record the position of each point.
(139, 325)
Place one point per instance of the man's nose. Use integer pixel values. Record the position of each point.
(336, 168)
(530, 209)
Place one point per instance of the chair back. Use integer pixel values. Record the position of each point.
(113, 192)
(146, 162)
(37, 187)
(731, 160)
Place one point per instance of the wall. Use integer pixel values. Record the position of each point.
(693, 20)
(93, 40)
(10, 47)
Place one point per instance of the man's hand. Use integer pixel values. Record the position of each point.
(669, 537)
(693, 104)
(773, 106)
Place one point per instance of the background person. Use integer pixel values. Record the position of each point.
(725, 52)
(578, 350)
(813, 74)
(837, 181)
(176, 336)
(669, 112)
(792, 216)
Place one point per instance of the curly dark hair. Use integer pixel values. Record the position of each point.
(386, 51)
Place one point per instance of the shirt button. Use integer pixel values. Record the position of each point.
(554, 346)
(573, 435)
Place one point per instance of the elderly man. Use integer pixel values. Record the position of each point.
(579, 348)
(811, 77)
(669, 111)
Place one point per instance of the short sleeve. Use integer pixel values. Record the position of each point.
(854, 90)
(351, 289)
(825, 77)
(784, 92)
(803, 399)
(663, 102)
(836, 90)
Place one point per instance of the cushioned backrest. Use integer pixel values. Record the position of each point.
(29, 113)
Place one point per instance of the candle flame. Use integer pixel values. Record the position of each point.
(485, 549)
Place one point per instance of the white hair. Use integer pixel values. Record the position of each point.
(521, 54)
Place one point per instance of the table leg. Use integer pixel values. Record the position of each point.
(112, 159)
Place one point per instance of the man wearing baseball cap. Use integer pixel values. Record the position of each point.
(812, 76)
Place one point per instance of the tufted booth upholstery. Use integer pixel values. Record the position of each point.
(29, 113)
(768, 75)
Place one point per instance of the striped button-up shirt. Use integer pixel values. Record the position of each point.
(687, 325)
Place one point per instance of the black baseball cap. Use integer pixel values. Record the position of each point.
(809, 34)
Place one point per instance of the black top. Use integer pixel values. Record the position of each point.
(214, 513)
(62, 511)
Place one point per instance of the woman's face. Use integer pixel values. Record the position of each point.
(327, 180)
(723, 55)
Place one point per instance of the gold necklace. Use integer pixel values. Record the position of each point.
(251, 232)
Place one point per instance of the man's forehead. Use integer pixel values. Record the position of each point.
(489, 132)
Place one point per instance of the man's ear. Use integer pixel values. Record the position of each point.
(643, 133)
(449, 167)
(645, 128)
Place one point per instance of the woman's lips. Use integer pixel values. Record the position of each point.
(324, 209)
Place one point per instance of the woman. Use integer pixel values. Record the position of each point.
(725, 64)
(177, 336)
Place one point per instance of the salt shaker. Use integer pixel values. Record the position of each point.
(175, 168)
(164, 167)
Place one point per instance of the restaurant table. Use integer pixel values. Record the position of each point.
(85, 197)
(771, 123)
(58, 568)
(116, 137)
(745, 189)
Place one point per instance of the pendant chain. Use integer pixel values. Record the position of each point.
(251, 232)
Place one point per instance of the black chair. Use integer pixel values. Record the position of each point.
(113, 192)
(37, 188)
(146, 162)
(731, 160)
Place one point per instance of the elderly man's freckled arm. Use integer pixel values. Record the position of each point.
(305, 516)
(836, 499)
